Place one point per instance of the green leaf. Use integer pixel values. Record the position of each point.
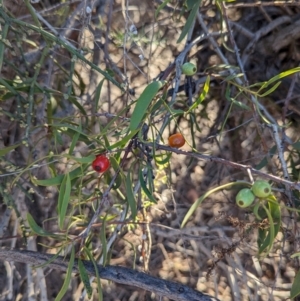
(165, 158)
(123, 141)
(37, 229)
(58, 179)
(145, 189)
(264, 161)
(85, 278)
(78, 105)
(176, 112)
(160, 7)
(268, 236)
(189, 21)
(84, 160)
(143, 103)
(201, 96)
(256, 212)
(296, 145)
(272, 89)
(97, 94)
(278, 77)
(295, 290)
(231, 76)
(295, 255)
(73, 143)
(100, 294)
(234, 101)
(5, 150)
(103, 240)
(67, 281)
(2, 45)
(7, 86)
(63, 199)
(50, 260)
(130, 196)
(207, 194)
(115, 165)
(71, 130)
(57, 137)
(190, 4)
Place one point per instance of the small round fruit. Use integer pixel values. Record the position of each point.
(188, 69)
(176, 140)
(101, 163)
(261, 188)
(245, 198)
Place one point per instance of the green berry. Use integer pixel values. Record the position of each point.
(245, 198)
(188, 69)
(261, 189)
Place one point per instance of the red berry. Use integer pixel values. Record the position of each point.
(101, 163)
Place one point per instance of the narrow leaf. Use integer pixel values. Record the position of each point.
(165, 158)
(234, 101)
(295, 255)
(70, 130)
(201, 96)
(67, 281)
(74, 141)
(145, 189)
(295, 290)
(267, 244)
(296, 145)
(5, 150)
(100, 294)
(97, 94)
(207, 194)
(160, 7)
(103, 240)
(264, 161)
(36, 228)
(189, 21)
(58, 179)
(272, 89)
(256, 212)
(123, 141)
(115, 166)
(85, 278)
(130, 196)
(63, 199)
(279, 76)
(143, 103)
(78, 105)
(84, 160)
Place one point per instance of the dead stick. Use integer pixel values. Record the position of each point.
(172, 290)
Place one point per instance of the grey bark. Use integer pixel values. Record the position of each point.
(118, 274)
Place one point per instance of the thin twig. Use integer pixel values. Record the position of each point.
(264, 3)
(294, 185)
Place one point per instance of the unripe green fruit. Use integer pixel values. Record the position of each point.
(245, 198)
(261, 189)
(188, 69)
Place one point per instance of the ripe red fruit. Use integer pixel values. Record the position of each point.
(176, 140)
(101, 163)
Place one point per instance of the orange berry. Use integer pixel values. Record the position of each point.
(176, 140)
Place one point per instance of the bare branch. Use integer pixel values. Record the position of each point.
(294, 185)
(122, 275)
